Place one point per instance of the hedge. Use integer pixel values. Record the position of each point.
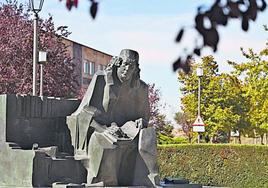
(216, 164)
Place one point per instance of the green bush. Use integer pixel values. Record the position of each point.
(163, 139)
(216, 164)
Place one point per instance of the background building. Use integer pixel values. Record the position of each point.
(87, 60)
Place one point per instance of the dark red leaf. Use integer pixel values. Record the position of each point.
(177, 64)
(234, 11)
(93, 9)
(252, 11)
(216, 14)
(245, 23)
(69, 4)
(199, 23)
(75, 3)
(179, 36)
(186, 64)
(197, 51)
(211, 38)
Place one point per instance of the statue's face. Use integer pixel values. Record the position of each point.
(126, 70)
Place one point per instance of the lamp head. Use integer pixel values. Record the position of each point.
(42, 57)
(36, 5)
(199, 71)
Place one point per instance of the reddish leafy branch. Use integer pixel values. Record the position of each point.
(16, 49)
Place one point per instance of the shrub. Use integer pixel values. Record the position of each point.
(163, 139)
(216, 164)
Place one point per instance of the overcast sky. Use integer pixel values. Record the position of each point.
(149, 27)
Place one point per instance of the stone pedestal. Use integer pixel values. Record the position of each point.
(50, 166)
(27, 122)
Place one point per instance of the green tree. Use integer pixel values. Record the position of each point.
(185, 121)
(253, 74)
(223, 104)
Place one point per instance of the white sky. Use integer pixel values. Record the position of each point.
(150, 27)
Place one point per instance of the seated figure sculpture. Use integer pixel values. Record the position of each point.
(110, 127)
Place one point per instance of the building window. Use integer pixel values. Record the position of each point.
(89, 67)
(86, 67)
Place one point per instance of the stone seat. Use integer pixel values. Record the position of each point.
(51, 166)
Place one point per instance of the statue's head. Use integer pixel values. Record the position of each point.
(126, 66)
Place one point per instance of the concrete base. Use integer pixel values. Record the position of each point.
(16, 166)
(181, 186)
(49, 166)
(62, 185)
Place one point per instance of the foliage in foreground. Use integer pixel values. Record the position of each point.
(218, 14)
(217, 165)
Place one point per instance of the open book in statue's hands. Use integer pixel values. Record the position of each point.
(128, 131)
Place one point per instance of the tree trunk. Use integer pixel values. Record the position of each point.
(229, 136)
(262, 139)
(239, 139)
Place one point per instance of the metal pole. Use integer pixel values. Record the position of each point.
(35, 50)
(41, 80)
(199, 94)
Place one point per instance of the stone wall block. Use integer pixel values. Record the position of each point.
(19, 106)
(3, 118)
(44, 107)
(38, 107)
(28, 106)
(33, 106)
(49, 108)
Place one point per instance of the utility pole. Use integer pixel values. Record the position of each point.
(199, 73)
(35, 49)
(36, 6)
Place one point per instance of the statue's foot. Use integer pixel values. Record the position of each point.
(80, 154)
(99, 184)
(154, 178)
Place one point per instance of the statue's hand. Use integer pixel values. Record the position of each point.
(141, 123)
(116, 60)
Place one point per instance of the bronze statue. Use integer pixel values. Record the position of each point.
(110, 126)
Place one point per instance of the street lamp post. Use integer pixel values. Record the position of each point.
(42, 61)
(36, 6)
(199, 73)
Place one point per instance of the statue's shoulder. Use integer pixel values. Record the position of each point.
(99, 73)
(99, 76)
(143, 85)
(98, 80)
